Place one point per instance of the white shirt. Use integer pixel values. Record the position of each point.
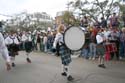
(106, 34)
(58, 38)
(3, 49)
(29, 38)
(11, 39)
(44, 40)
(99, 39)
(23, 38)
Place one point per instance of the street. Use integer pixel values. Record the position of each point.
(46, 68)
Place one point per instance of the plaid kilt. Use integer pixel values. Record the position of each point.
(100, 50)
(28, 46)
(65, 55)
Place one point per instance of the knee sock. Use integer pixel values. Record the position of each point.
(12, 59)
(66, 70)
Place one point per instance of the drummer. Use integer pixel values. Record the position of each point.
(100, 48)
(64, 52)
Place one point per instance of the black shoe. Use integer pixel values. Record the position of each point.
(13, 65)
(70, 78)
(64, 74)
(99, 65)
(102, 66)
(28, 60)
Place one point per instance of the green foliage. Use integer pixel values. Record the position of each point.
(96, 8)
(69, 19)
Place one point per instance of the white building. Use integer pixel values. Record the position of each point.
(29, 19)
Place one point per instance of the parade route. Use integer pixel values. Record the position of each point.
(46, 68)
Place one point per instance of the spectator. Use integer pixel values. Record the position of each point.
(114, 22)
(122, 44)
(103, 23)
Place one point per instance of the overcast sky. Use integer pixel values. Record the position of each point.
(51, 7)
(10, 7)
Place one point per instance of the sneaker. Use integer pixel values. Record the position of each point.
(64, 74)
(13, 65)
(102, 66)
(70, 78)
(28, 60)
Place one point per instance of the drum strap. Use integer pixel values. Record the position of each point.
(62, 43)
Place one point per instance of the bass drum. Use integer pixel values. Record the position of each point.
(74, 38)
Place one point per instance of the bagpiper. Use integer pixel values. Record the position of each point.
(13, 46)
(4, 52)
(100, 48)
(28, 45)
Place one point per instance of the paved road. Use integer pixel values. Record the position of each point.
(46, 68)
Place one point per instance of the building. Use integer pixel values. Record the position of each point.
(58, 18)
(30, 20)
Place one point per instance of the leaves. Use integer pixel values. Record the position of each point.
(69, 19)
(93, 8)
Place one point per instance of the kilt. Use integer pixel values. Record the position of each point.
(28, 46)
(100, 49)
(13, 49)
(65, 55)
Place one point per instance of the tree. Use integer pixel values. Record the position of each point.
(121, 6)
(95, 8)
(69, 19)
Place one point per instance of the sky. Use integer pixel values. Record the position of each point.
(51, 7)
(10, 7)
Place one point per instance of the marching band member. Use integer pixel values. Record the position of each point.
(23, 39)
(4, 52)
(64, 53)
(13, 46)
(100, 48)
(28, 45)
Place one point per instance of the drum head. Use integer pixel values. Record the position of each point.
(74, 38)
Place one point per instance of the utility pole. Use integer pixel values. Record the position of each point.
(68, 12)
